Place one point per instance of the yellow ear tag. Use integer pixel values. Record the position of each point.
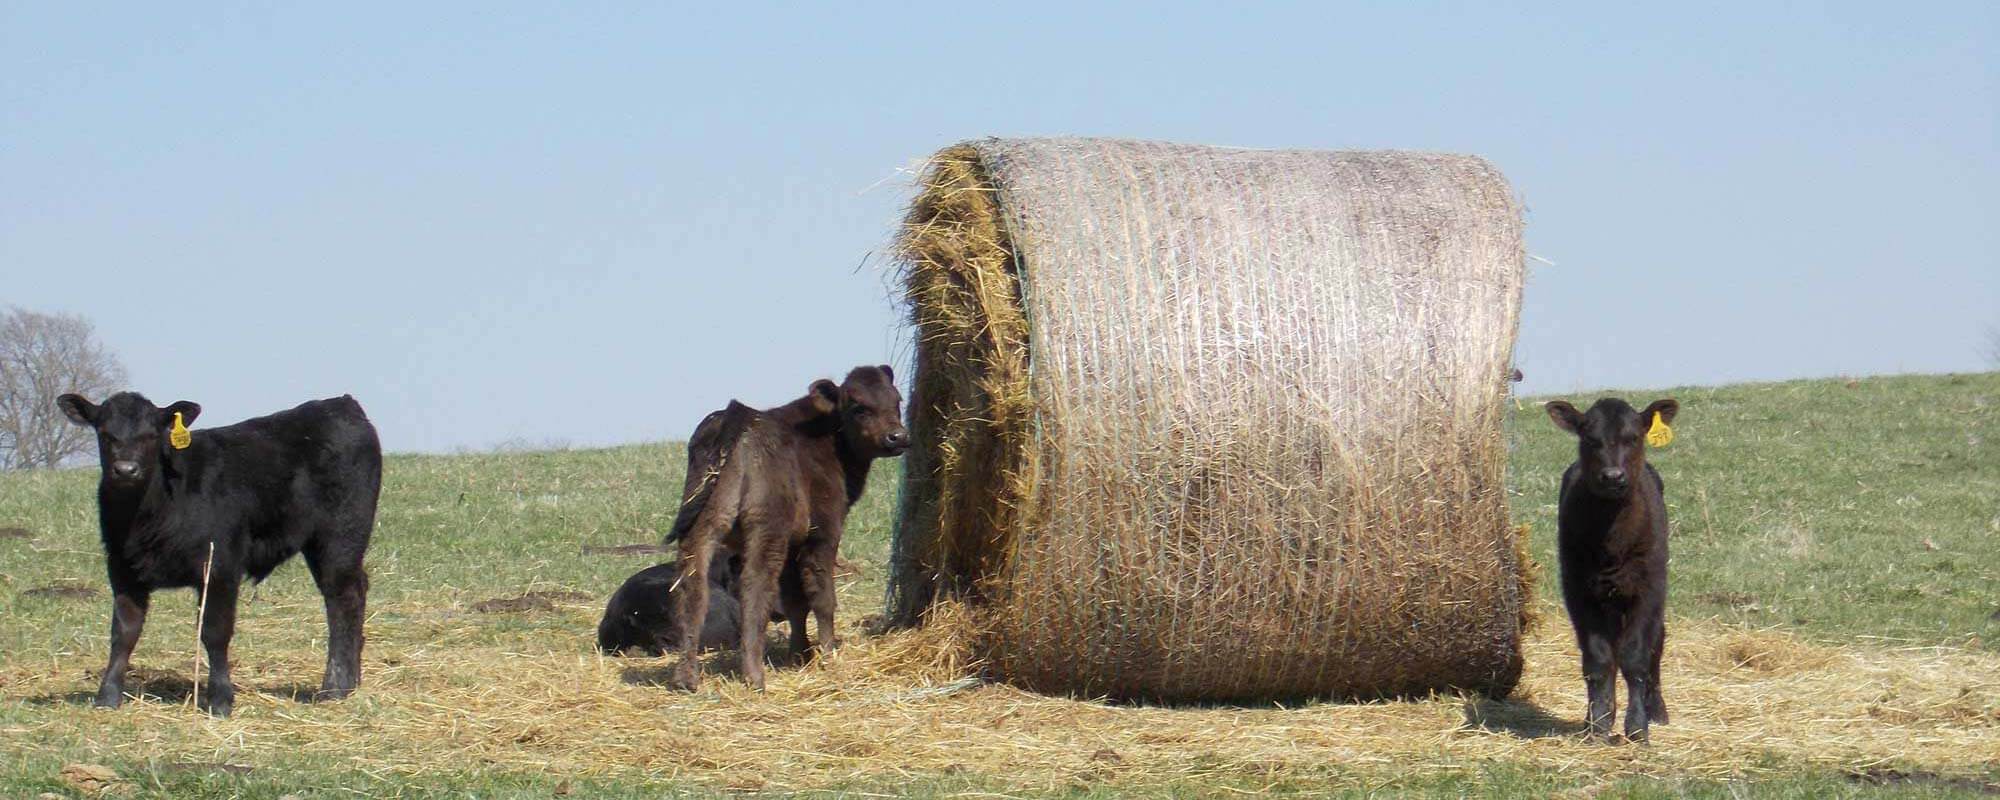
(178, 435)
(1660, 435)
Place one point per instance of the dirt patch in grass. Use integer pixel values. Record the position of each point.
(63, 590)
(1889, 776)
(92, 780)
(624, 550)
(541, 600)
(205, 767)
(1736, 600)
(15, 533)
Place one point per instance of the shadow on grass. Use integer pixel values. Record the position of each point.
(1524, 720)
(158, 686)
(295, 692)
(715, 664)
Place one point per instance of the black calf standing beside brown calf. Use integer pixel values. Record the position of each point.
(1611, 541)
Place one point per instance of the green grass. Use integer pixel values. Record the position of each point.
(1866, 512)
(1842, 511)
(37, 773)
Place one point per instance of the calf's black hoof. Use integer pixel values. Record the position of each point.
(326, 695)
(684, 680)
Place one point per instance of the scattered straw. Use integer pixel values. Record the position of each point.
(905, 705)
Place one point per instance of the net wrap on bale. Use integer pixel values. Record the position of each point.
(1197, 423)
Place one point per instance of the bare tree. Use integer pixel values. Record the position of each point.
(42, 356)
(1993, 346)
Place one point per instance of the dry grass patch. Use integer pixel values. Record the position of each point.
(903, 705)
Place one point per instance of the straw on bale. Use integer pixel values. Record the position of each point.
(1214, 424)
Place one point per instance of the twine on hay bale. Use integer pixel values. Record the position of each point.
(1212, 424)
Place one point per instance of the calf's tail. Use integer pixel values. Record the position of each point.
(710, 456)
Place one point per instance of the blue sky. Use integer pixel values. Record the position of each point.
(592, 224)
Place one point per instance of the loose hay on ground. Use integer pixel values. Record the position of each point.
(898, 705)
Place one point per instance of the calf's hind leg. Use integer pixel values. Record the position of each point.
(343, 584)
(1656, 705)
(763, 561)
(218, 626)
(690, 594)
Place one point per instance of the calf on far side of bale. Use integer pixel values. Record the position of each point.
(641, 614)
(779, 494)
(180, 508)
(813, 414)
(1611, 542)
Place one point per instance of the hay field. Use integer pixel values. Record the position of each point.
(1835, 611)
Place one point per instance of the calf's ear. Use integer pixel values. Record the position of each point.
(888, 373)
(1565, 415)
(79, 410)
(1665, 408)
(825, 396)
(187, 410)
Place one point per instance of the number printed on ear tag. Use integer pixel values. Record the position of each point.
(1661, 434)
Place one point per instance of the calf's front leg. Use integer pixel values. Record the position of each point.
(816, 566)
(1639, 660)
(1600, 684)
(128, 618)
(792, 601)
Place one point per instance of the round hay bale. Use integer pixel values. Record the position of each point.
(1203, 424)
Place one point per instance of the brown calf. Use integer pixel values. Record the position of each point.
(1611, 540)
(778, 494)
(641, 614)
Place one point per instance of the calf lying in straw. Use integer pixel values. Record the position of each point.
(640, 615)
(777, 495)
(1611, 540)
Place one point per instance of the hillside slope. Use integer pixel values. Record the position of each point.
(1838, 508)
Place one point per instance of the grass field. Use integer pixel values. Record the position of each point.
(1835, 602)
